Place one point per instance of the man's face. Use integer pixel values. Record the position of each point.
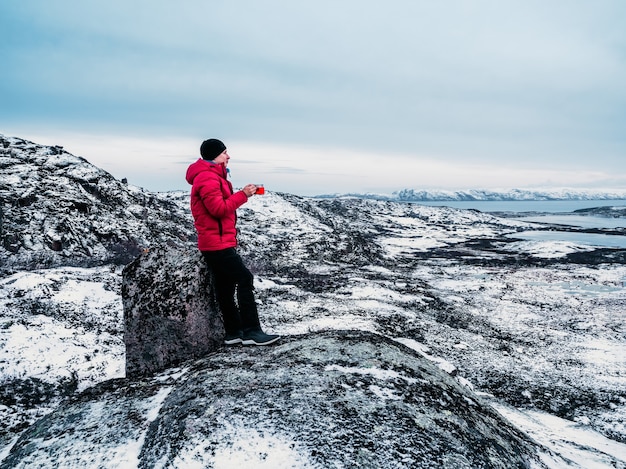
(222, 158)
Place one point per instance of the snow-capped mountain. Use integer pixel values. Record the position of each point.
(418, 195)
(535, 329)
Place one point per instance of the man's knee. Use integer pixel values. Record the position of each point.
(246, 278)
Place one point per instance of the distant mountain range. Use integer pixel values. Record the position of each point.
(413, 195)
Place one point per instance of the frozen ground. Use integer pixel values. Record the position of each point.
(54, 350)
(517, 321)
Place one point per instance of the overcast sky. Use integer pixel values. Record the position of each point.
(322, 96)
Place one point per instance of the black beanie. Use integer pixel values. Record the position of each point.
(211, 149)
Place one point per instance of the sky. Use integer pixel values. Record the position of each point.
(319, 97)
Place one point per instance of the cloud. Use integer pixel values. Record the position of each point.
(468, 83)
(159, 164)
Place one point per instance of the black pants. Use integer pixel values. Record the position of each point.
(231, 277)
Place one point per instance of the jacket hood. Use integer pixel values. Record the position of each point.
(201, 166)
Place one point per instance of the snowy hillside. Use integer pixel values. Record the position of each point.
(536, 328)
(58, 209)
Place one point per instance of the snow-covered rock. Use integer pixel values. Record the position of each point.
(335, 399)
(58, 209)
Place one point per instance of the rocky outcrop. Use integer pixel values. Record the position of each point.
(335, 399)
(58, 209)
(170, 314)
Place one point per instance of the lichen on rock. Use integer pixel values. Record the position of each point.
(170, 314)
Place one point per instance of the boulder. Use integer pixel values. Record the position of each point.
(170, 313)
(343, 399)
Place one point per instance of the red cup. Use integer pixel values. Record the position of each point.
(260, 190)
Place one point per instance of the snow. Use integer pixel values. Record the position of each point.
(580, 446)
(584, 447)
(442, 363)
(545, 249)
(571, 440)
(258, 448)
(152, 409)
(511, 194)
(48, 346)
(53, 326)
(4, 452)
(541, 330)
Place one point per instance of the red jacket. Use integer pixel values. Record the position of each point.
(213, 205)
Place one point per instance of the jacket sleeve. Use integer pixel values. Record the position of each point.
(217, 204)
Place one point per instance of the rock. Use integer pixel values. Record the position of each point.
(170, 314)
(60, 210)
(335, 399)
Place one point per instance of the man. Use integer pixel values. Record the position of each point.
(213, 206)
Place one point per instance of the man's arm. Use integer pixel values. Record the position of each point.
(214, 201)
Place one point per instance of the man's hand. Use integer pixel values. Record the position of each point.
(249, 190)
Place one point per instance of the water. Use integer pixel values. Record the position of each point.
(582, 239)
(520, 206)
(580, 289)
(556, 212)
(582, 221)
